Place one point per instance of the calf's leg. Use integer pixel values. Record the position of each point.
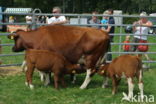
(56, 80)
(140, 84)
(62, 81)
(29, 74)
(73, 78)
(130, 87)
(114, 85)
(47, 79)
(105, 83)
(42, 76)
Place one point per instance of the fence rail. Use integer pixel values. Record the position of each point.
(120, 34)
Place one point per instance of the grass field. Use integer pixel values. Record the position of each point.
(14, 91)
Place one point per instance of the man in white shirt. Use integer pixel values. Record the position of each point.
(56, 20)
(28, 19)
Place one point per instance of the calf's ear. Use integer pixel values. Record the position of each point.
(12, 36)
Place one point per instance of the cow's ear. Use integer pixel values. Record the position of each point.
(12, 36)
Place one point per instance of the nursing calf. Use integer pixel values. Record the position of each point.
(128, 66)
(48, 61)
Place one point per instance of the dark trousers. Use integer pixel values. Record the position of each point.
(109, 56)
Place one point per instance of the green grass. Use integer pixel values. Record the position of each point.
(14, 91)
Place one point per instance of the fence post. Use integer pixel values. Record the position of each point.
(120, 37)
(33, 22)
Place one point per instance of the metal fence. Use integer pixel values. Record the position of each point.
(10, 58)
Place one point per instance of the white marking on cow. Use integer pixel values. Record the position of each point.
(140, 76)
(130, 87)
(23, 66)
(141, 91)
(141, 87)
(31, 86)
(87, 79)
(42, 74)
(105, 83)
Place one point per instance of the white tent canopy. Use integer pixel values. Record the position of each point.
(18, 10)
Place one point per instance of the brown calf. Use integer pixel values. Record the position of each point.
(48, 61)
(128, 66)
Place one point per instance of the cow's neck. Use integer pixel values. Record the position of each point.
(31, 41)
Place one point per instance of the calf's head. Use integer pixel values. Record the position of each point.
(103, 69)
(18, 41)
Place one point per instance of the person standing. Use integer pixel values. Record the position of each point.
(141, 27)
(104, 20)
(110, 29)
(94, 20)
(57, 19)
(28, 19)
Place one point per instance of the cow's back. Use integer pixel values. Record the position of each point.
(71, 41)
(44, 59)
(125, 64)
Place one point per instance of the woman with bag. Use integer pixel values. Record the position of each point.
(141, 27)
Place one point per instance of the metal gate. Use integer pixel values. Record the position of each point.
(10, 58)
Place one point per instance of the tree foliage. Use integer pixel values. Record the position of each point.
(85, 6)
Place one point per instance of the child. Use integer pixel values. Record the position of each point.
(126, 47)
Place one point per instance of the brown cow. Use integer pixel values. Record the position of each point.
(48, 61)
(128, 66)
(70, 41)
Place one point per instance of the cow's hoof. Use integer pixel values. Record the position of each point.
(31, 86)
(105, 86)
(26, 83)
(82, 87)
(46, 84)
(113, 93)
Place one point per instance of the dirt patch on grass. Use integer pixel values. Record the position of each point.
(11, 70)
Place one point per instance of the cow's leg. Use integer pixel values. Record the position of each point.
(42, 75)
(140, 84)
(114, 85)
(23, 66)
(47, 79)
(29, 74)
(56, 80)
(62, 81)
(90, 64)
(73, 78)
(91, 60)
(105, 83)
(130, 87)
(118, 81)
(87, 79)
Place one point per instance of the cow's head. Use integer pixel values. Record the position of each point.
(19, 43)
